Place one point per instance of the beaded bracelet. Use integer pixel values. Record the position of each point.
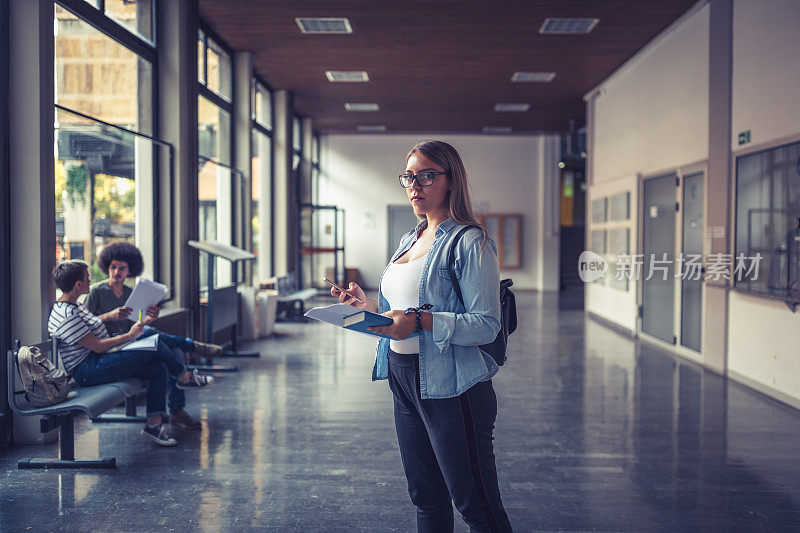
(416, 310)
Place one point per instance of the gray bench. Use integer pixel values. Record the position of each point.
(291, 301)
(93, 401)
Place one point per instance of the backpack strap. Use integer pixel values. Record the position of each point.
(451, 259)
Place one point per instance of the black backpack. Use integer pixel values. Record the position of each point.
(508, 307)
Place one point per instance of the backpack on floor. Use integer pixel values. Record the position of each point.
(44, 383)
(508, 307)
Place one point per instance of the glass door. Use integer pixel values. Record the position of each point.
(658, 247)
(691, 274)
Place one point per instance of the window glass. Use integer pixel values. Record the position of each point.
(215, 187)
(201, 57)
(97, 76)
(297, 134)
(214, 131)
(262, 188)
(136, 15)
(103, 190)
(219, 71)
(262, 106)
(768, 222)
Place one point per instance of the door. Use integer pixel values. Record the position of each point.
(692, 248)
(658, 247)
(401, 220)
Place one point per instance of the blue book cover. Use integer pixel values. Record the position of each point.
(349, 317)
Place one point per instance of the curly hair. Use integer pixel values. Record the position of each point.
(121, 251)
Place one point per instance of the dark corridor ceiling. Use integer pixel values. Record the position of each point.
(439, 66)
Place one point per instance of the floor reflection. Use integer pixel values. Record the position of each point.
(595, 431)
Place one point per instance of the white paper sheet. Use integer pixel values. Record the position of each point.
(145, 294)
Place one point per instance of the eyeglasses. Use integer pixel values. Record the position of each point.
(424, 179)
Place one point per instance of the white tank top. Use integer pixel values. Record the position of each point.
(400, 287)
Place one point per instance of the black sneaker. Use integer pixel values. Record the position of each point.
(159, 435)
(196, 381)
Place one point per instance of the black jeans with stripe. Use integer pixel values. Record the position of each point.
(447, 452)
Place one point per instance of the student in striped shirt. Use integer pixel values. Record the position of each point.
(84, 345)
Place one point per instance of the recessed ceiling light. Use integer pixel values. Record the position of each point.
(362, 107)
(346, 75)
(511, 108)
(568, 26)
(543, 77)
(371, 129)
(323, 25)
(496, 129)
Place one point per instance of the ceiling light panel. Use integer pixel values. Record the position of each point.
(346, 75)
(496, 129)
(512, 108)
(323, 25)
(568, 26)
(371, 129)
(362, 107)
(526, 77)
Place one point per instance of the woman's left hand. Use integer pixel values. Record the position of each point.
(401, 328)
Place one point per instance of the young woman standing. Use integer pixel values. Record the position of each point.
(444, 403)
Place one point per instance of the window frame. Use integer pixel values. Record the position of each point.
(791, 301)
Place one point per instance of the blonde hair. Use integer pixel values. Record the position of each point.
(459, 205)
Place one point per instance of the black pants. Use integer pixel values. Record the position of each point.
(446, 447)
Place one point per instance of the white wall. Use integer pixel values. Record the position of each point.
(766, 70)
(614, 304)
(763, 336)
(509, 174)
(652, 114)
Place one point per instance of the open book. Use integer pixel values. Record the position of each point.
(349, 317)
(149, 344)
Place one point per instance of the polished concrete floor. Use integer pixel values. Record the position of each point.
(595, 432)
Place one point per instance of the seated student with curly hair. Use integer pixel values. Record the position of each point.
(85, 343)
(121, 260)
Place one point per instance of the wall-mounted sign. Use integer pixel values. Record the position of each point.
(744, 137)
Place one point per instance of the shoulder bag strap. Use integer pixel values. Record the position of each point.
(451, 260)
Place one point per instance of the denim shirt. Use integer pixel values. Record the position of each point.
(449, 359)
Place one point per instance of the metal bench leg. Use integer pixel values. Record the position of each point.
(66, 425)
(129, 416)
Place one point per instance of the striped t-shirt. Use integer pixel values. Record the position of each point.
(69, 323)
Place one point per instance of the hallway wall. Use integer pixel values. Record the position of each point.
(509, 174)
(652, 117)
(649, 117)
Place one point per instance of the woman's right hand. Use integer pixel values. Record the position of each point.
(136, 330)
(349, 297)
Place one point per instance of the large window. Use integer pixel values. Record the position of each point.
(767, 257)
(261, 172)
(106, 160)
(217, 179)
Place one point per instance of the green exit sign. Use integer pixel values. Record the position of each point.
(744, 137)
